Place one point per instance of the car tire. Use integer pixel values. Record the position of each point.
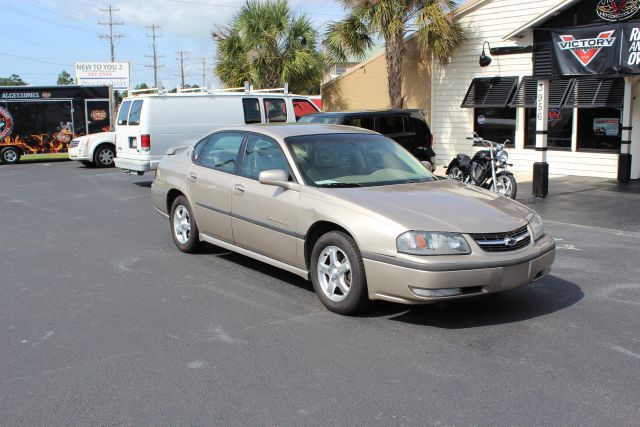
(104, 156)
(184, 230)
(10, 155)
(337, 273)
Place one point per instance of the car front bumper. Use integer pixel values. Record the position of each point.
(79, 153)
(393, 280)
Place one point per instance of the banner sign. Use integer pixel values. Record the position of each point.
(114, 74)
(596, 50)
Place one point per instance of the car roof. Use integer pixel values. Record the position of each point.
(366, 112)
(285, 130)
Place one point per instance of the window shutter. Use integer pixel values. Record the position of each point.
(596, 93)
(490, 92)
(528, 91)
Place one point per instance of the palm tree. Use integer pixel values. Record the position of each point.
(267, 45)
(392, 20)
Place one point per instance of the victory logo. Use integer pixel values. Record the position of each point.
(616, 10)
(587, 49)
(6, 123)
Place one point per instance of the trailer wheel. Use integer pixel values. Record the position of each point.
(10, 155)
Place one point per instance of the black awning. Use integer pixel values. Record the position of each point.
(493, 92)
(528, 91)
(596, 92)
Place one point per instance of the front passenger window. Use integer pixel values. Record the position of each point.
(262, 154)
(221, 151)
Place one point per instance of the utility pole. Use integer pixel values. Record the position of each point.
(154, 48)
(111, 37)
(204, 72)
(182, 59)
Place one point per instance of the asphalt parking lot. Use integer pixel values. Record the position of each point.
(103, 321)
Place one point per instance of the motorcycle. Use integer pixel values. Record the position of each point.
(487, 169)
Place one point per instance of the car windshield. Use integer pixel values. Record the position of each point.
(314, 118)
(354, 160)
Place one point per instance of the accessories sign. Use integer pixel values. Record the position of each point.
(114, 74)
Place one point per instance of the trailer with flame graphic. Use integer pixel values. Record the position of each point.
(42, 120)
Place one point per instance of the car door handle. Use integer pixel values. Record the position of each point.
(238, 189)
(192, 177)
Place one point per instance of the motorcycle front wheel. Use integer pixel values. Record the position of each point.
(455, 173)
(506, 185)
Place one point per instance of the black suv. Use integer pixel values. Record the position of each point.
(407, 127)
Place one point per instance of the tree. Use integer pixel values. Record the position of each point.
(267, 45)
(392, 20)
(64, 78)
(141, 86)
(12, 80)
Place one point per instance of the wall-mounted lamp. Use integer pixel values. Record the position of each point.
(485, 60)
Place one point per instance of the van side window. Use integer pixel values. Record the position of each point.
(360, 122)
(389, 125)
(408, 125)
(302, 107)
(124, 113)
(221, 151)
(275, 110)
(134, 113)
(251, 108)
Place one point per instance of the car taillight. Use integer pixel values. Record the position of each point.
(145, 142)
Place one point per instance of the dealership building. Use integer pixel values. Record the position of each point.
(559, 79)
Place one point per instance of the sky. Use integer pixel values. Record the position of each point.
(43, 37)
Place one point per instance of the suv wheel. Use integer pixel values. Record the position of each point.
(104, 156)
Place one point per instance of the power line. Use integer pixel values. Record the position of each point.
(34, 60)
(154, 48)
(111, 37)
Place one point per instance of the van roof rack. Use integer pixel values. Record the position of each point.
(246, 89)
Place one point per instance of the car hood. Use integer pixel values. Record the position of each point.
(445, 205)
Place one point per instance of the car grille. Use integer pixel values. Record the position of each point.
(503, 242)
(74, 144)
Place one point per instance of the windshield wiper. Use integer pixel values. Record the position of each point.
(341, 185)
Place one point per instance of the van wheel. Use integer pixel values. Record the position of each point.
(104, 156)
(183, 226)
(337, 273)
(10, 155)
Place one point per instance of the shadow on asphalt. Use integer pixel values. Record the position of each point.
(538, 299)
(145, 184)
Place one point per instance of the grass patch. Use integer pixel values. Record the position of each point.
(43, 157)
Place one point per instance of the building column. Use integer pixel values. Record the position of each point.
(541, 167)
(624, 159)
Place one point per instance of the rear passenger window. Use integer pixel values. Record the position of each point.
(302, 107)
(134, 113)
(124, 113)
(389, 125)
(251, 108)
(275, 109)
(221, 151)
(408, 125)
(361, 122)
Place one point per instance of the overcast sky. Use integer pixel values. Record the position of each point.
(43, 37)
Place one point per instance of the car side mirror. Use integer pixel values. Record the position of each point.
(278, 178)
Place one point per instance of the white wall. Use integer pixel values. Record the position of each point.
(492, 20)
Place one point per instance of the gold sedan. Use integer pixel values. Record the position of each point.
(352, 211)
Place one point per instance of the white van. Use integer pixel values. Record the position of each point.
(148, 125)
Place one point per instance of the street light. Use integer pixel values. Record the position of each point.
(485, 59)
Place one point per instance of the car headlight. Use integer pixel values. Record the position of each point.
(432, 243)
(502, 156)
(537, 227)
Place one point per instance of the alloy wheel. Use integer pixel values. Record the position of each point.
(105, 156)
(503, 186)
(9, 156)
(334, 273)
(182, 224)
